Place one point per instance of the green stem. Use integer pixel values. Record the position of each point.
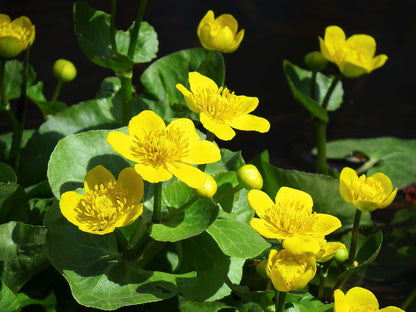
(313, 85)
(113, 26)
(177, 211)
(124, 246)
(150, 251)
(140, 235)
(229, 193)
(4, 105)
(320, 136)
(409, 300)
(324, 275)
(157, 202)
(57, 91)
(127, 96)
(354, 237)
(280, 299)
(331, 90)
(203, 70)
(134, 33)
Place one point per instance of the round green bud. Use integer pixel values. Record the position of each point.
(261, 268)
(341, 255)
(249, 177)
(10, 47)
(64, 70)
(315, 61)
(209, 189)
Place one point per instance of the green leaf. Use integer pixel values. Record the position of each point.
(7, 174)
(23, 253)
(196, 218)
(264, 298)
(50, 109)
(323, 189)
(76, 154)
(13, 78)
(230, 161)
(202, 254)
(299, 81)
(13, 203)
(192, 306)
(6, 143)
(48, 303)
(8, 300)
(391, 156)
(237, 239)
(160, 78)
(97, 275)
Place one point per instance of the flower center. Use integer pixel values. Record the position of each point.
(160, 147)
(103, 205)
(292, 217)
(291, 268)
(7, 29)
(367, 189)
(220, 104)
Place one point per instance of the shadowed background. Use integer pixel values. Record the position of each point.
(379, 104)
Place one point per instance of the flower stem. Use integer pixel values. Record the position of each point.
(124, 246)
(150, 251)
(324, 275)
(126, 95)
(280, 299)
(57, 90)
(134, 33)
(229, 193)
(313, 85)
(203, 70)
(157, 202)
(320, 136)
(113, 26)
(180, 209)
(354, 237)
(331, 90)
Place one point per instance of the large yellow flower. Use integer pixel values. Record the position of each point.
(219, 34)
(161, 151)
(366, 194)
(221, 110)
(107, 203)
(359, 299)
(354, 56)
(15, 36)
(291, 220)
(290, 272)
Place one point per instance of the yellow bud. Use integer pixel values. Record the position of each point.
(315, 61)
(341, 255)
(209, 189)
(64, 70)
(261, 268)
(249, 177)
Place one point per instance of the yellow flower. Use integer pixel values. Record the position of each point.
(366, 194)
(221, 110)
(15, 36)
(290, 272)
(291, 220)
(359, 299)
(107, 203)
(354, 56)
(219, 34)
(161, 151)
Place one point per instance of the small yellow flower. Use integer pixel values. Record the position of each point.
(219, 34)
(290, 272)
(366, 194)
(161, 151)
(221, 110)
(15, 36)
(354, 56)
(107, 203)
(359, 299)
(291, 219)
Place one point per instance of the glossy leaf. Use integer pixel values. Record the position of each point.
(6, 142)
(237, 239)
(13, 203)
(7, 174)
(97, 275)
(13, 78)
(391, 156)
(192, 306)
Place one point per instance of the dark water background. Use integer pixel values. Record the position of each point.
(380, 104)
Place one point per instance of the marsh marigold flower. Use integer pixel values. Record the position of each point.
(15, 36)
(290, 219)
(359, 299)
(221, 110)
(366, 194)
(290, 272)
(354, 56)
(107, 204)
(219, 34)
(161, 151)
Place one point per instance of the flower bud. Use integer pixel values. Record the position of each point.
(209, 189)
(249, 177)
(341, 255)
(64, 70)
(261, 268)
(315, 61)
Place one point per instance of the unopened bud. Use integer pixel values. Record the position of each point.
(261, 268)
(342, 255)
(209, 189)
(315, 61)
(64, 70)
(249, 177)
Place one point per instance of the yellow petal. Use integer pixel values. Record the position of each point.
(202, 152)
(190, 175)
(129, 217)
(132, 184)
(286, 195)
(221, 130)
(247, 104)
(325, 51)
(340, 302)
(4, 19)
(391, 309)
(68, 203)
(237, 40)
(198, 82)
(145, 122)
(153, 174)
(351, 70)
(227, 20)
(122, 144)
(298, 244)
(96, 176)
(187, 128)
(358, 297)
(334, 36)
(325, 224)
(379, 61)
(266, 229)
(345, 179)
(189, 98)
(329, 250)
(250, 123)
(384, 181)
(222, 40)
(364, 43)
(207, 19)
(260, 202)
